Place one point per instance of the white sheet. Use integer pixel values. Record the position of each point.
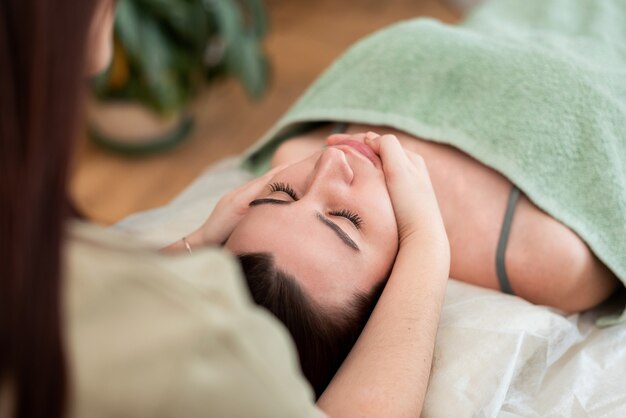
(496, 355)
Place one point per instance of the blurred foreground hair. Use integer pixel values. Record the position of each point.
(323, 337)
(42, 58)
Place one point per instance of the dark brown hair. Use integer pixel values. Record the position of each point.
(42, 56)
(323, 337)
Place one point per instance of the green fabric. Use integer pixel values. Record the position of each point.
(535, 89)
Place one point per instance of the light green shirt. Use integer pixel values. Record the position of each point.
(155, 335)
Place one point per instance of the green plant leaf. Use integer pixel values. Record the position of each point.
(186, 20)
(227, 19)
(128, 25)
(259, 20)
(156, 63)
(246, 60)
(165, 44)
(243, 56)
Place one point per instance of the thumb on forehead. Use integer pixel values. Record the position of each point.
(275, 170)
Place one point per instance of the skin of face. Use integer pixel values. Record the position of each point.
(101, 38)
(297, 232)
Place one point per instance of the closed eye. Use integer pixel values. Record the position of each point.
(345, 238)
(351, 216)
(285, 188)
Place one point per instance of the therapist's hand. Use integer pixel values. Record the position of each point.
(407, 314)
(231, 208)
(410, 189)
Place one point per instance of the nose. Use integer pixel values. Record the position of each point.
(332, 167)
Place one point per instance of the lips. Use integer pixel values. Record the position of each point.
(362, 149)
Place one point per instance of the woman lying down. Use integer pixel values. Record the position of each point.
(318, 235)
(475, 138)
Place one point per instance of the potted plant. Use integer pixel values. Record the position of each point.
(164, 51)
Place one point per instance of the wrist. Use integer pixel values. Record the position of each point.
(187, 245)
(433, 250)
(196, 239)
(178, 246)
(425, 235)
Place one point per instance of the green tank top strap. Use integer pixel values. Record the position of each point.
(503, 279)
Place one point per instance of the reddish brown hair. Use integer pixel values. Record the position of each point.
(42, 56)
(323, 337)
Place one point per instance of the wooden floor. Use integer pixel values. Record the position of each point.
(305, 37)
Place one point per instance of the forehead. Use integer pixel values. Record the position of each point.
(305, 248)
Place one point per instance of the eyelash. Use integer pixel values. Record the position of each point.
(349, 215)
(285, 188)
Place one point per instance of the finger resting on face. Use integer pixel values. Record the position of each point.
(371, 135)
(252, 188)
(390, 139)
(359, 137)
(422, 169)
(256, 185)
(416, 159)
(275, 170)
(335, 138)
(269, 174)
(384, 144)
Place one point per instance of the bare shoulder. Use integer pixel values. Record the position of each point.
(301, 146)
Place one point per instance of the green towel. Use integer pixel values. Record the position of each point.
(535, 89)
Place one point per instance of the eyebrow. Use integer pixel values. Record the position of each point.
(340, 233)
(265, 201)
(333, 226)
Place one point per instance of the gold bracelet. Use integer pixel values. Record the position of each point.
(187, 246)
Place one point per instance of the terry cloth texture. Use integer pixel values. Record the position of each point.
(535, 89)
